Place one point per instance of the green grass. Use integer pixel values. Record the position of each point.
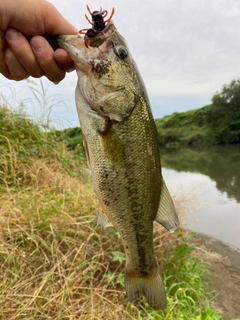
(54, 263)
(184, 128)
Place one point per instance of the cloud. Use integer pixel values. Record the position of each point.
(185, 50)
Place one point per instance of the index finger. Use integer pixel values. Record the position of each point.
(44, 56)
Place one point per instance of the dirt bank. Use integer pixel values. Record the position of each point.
(224, 279)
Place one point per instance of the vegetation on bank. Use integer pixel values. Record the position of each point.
(54, 263)
(72, 138)
(217, 123)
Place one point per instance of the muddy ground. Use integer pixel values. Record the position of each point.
(224, 279)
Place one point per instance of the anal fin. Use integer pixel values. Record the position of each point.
(166, 214)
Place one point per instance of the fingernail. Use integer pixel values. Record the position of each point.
(70, 70)
(37, 44)
(12, 34)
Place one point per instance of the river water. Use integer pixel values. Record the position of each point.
(212, 176)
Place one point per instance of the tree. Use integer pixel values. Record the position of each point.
(229, 96)
(223, 116)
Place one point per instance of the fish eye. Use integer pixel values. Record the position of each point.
(122, 52)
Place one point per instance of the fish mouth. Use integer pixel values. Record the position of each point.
(75, 46)
(69, 41)
(93, 46)
(66, 38)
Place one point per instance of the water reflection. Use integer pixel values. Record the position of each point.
(220, 163)
(213, 175)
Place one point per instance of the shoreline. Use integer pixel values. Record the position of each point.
(223, 262)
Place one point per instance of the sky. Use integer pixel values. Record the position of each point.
(186, 50)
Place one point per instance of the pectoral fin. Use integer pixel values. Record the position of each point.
(166, 214)
(102, 220)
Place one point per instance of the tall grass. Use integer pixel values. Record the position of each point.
(54, 263)
(44, 102)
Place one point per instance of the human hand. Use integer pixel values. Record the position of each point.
(20, 58)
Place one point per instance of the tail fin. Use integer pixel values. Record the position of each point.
(151, 287)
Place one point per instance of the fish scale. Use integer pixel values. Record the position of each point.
(121, 143)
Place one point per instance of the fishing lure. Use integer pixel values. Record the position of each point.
(98, 23)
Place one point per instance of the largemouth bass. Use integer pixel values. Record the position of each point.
(122, 149)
